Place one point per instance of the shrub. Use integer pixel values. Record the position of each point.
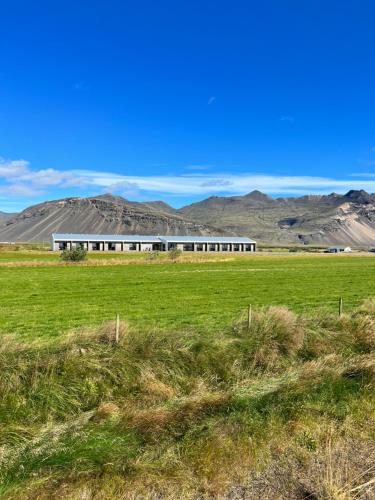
(74, 255)
(275, 338)
(154, 255)
(174, 254)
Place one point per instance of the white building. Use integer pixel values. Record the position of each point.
(139, 243)
(339, 249)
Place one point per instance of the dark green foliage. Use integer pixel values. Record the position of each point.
(154, 255)
(76, 254)
(174, 254)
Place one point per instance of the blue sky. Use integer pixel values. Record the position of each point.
(183, 100)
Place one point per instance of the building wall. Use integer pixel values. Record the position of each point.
(216, 247)
(147, 247)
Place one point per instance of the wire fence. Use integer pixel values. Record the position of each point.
(36, 320)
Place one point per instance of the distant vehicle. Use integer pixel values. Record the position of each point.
(339, 250)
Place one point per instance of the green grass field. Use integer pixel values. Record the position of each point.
(43, 302)
(190, 401)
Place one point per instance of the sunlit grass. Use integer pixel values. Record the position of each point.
(47, 301)
(283, 406)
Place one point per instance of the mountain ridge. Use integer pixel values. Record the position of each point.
(310, 219)
(4, 216)
(103, 214)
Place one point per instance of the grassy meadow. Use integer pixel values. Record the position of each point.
(284, 408)
(42, 301)
(192, 401)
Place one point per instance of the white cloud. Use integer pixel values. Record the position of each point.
(21, 180)
(216, 183)
(205, 184)
(124, 188)
(364, 174)
(287, 118)
(17, 178)
(19, 189)
(12, 169)
(52, 177)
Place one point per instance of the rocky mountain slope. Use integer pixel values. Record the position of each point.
(5, 216)
(332, 219)
(323, 220)
(105, 214)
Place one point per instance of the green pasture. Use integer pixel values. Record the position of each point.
(41, 302)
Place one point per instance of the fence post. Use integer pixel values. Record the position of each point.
(249, 314)
(340, 306)
(117, 328)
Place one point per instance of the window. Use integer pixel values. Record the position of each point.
(212, 248)
(224, 248)
(188, 247)
(111, 246)
(132, 246)
(95, 245)
(63, 245)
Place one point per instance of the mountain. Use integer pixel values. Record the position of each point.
(161, 206)
(359, 196)
(4, 216)
(312, 219)
(104, 214)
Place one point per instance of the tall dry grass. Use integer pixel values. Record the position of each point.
(267, 411)
(113, 260)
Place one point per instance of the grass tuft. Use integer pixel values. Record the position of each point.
(281, 409)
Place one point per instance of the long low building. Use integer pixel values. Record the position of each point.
(139, 243)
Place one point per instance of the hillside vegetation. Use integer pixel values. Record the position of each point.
(283, 408)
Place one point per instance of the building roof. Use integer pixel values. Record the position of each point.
(205, 239)
(146, 238)
(105, 237)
